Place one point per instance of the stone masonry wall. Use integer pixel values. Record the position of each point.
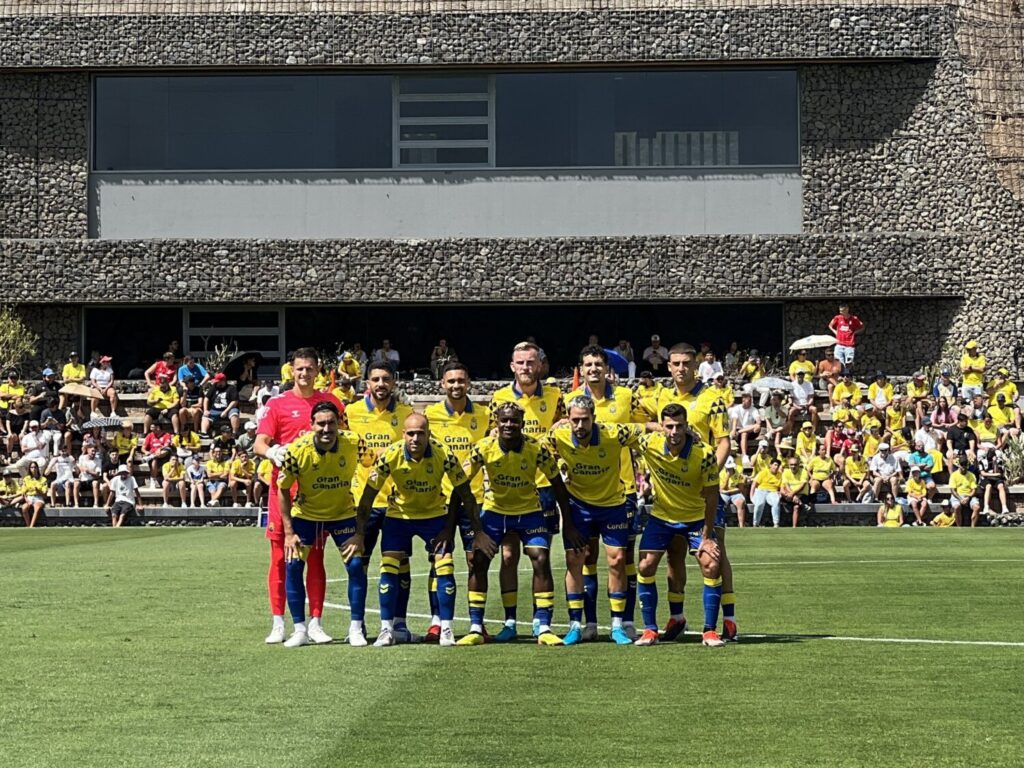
(59, 331)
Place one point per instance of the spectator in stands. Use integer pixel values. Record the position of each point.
(943, 416)
(721, 389)
(899, 443)
(656, 355)
(918, 396)
(123, 498)
(173, 472)
(765, 490)
(14, 408)
(929, 437)
(193, 369)
(880, 391)
(925, 464)
(90, 472)
(166, 366)
(10, 490)
(730, 489)
(54, 422)
(947, 516)
(972, 366)
(63, 467)
(985, 429)
(164, 401)
(440, 356)
(731, 361)
(35, 449)
(944, 386)
(964, 491)
(73, 372)
(890, 514)
(775, 417)
(156, 449)
(261, 485)
(801, 363)
(186, 443)
(217, 470)
(241, 475)
(855, 476)
(802, 402)
(287, 370)
(806, 444)
(192, 397)
(41, 393)
(828, 370)
(225, 441)
(101, 379)
(1005, 417)
(174, 347)
(822, 470)
(385, 352)
(871, 442)
(221, 402)
(744, 425)
(845, 327)
(917, 495)
(992, 476)
(885, 471)
(762, 458)
(625, 350)
(847, 388)
(1001, 385)
(796, 488)
(361, 358)
(246, 440)
(96, 438)
(709, 367)
(753, 368)
(196, 474)
(126, 444)
(34, 489)
(646, 386)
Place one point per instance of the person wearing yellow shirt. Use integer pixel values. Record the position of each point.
(806, 443)
(963, 492)
(164, 401)
(73, 372)
(13, 409)
(173, 472)
(801, 364)
(646, 386)
(34, 488)
(821, 469)
(880, 391)
(753, 369)
(917, 495)
(972, 365)
(870, 418)
(796, 487)
(872, 440)
(1005, 418)
(345, 392)
(125, 444)
(946, 517)
(985, 429)
(765, 491)
(846, 415)
(847, 387)
(730, 489)
(856, 478)
(890, 514)
(288, 370)
(896, 414)
(919, 395)
(261, 486)
(217, 470)
(186, 442)
(762, 459)
(241, 476)
(1001, 385)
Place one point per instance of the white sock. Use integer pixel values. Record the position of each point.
(355, 628)
(616, 622)
(478, 628)
(277, 621)
(445, 624)
(544, 628)
(510, 623)
(300, 626)
(591, 625)
(314, 622)
(435, 620)
(574, 625)
(677, 616)
(386, 624)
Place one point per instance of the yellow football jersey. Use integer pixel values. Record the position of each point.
(243, 469)
(217, 470)
(821, 468)
(173, 471)
(458, 432)
(594, 467)
(616, 405)
(972, 379)
(190, 441)
(512, 475)
(855, 469)
(416, 490)
(679, 481)
(806, 366)
(34, 486)
(378, 428)
(123, 443)
(963, 484)
(163, 399)
(851, 390)
(707, 414)
(729, 481)
(798, 481)
(324, 477)
(543, 408)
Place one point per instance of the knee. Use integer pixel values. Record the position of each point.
(648, 567)
(509, 555)
(616, 558)
(541, 560)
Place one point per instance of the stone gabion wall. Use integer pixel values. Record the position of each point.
(59, 331)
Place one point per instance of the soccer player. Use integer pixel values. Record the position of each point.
(287, 417)
(684, 475)
(542, 407)
(613, 405)
(593, 454)
(456, 423)
(707, 415)
(416, 507)
(319, 466)
(378, 417)
(512, 513)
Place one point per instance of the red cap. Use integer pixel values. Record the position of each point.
(106, 359)
(219, 377)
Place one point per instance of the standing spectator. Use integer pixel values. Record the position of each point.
(885, 471)
(709, 367)
(625, 350)
(745, 425)
(880, 391)
(441, 355)
(765, 490)
(126, 443)
(963, 492)
(192, 368)
(217, 470)
(173, 473)
(42, 391)
(123, 499)
(656, 355)
(796, 488)
(802, 402)
(101, 379)
(73, 372)
(385, 352)
(801, 363)
(845, 327)
(174, 347)
(166, 366)
(730, 490)
(196, 474)
(156, 449)
(164, 401)
(972, 366)
(63, 467)
(221, 402)
(1001, 385)
(240, 478)
(944, 386)
(34, 489)
(90, 471)
(35, 449)
(192, 396)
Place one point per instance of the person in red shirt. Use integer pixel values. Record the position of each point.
(845, 327)
(156, 449)
(163, 367)
(287, 417)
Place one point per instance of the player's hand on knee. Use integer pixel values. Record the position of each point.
(485, 544)
(352, 547)
(709, 549)
(443, 541)
(292, 545)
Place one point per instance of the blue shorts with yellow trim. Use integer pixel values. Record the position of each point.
(397, 534)
(636, 525)
(659, 534)
(313, 533)
(532, 528)
(612, 523)
(549, 507)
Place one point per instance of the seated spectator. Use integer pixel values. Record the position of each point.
(225, 441)
(765, 490)
(944, 386)
(14, 409)
(53, 422)
(829, 370)
(731, 361)
(96, 438)
(101, 379)
(880, 391)
(35, 449)
(721, 389)
(156, 449)
(192, 369)
(822, 469)
(847, 387)
(361, 358)
(943, 416)
(10, 490)
(64, 468)
(964, 491)
(164, 401)
(123, 499)
(890, 514)
(918, 394)
(917, 494)
(730, 490)
(34, 489)
(985, 429)
(173, 472)
(73, 372)
(347, 381)
(385, 352)
(896, 414)
(166, 366)
(656, 355)
(776, 417)
(885, 472)
(241, 475)
(221, 403)
(41, 393)
(801, 363)
(440, 356)
(845, 415)
(961, 441)
(870, 418)
(802, 402)
(248, 382)
(929, 437)
(806, 443)
(1006, 419)
(900, 443)
(871, 442)
(745, 425)
(90, 473)
(972, 366)
(796, 489)
(946, 517)
(261, 486)
(709, 367)
(217, 471)
(247, 440)
(753, 369)
(1001, 385)
(856, 479)
(196, 474)
(992, 477)
(126, 444)
(192, 397)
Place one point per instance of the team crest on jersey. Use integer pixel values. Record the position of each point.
(523, 465)
(472, 423)
(430, 469)
(611, 408)
(602, 453)
(341, 461)
(394, 421)
(543, 407)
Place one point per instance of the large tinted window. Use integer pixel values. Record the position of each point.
(645, 119)
(242, 122)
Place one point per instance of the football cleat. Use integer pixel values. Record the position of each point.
(446, 638)
(589, 633)
(507, 635)
(298, 639)
(573, 636)
(384, 639)
(433, 634)
(712, 640)
(405, 636)
(536, 627)
(357, 639)
(649, 637)
(630, 630)
(316, 633)
(730, 633)
(619, 636)
(473, 638)
(549, 638)
(276, 635)
(674, 629)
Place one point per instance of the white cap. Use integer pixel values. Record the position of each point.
(123, 468)
(730, 463)
(883, 446)
(33, 423)
(944, 503)
(762, 443)
(250, 425)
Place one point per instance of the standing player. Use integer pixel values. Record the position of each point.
(377, 417)
(684, 475)
(287, 417)
(416, 507)
(319, 465)
(512, 512)
(613, 405)
(542, 407)
(707, 416)
(593, 453)
(456, 423)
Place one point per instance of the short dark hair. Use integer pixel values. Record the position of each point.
(682, 348)
(674, 411)
(324, 405)
(454, 365)
(383, 365)
(512, 408)
(594, 350)
(306, 353)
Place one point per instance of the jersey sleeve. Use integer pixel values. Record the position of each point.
(289, 473)
(474, 462)
(648, 406)
(637, 414)
(268, 424)
(381, 471)
(453, 469)
(718, 419)
(364, 455)
(628, 434)
(546, 462)
(709, 469)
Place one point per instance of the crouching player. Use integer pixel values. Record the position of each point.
(417, 464)
(512, 514)
(320, 464)
(684, 476)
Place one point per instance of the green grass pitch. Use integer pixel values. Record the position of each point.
(143, 647)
